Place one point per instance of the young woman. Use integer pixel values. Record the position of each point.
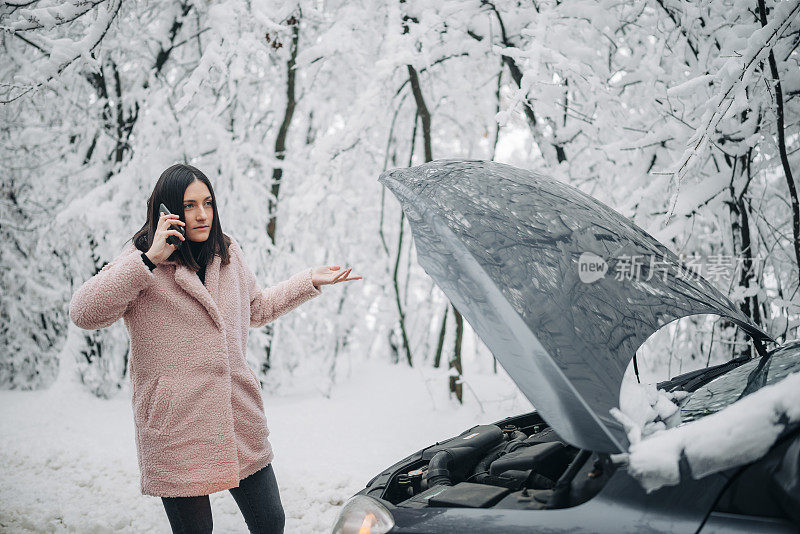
(197, 406)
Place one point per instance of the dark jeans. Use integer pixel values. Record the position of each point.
(256, 495)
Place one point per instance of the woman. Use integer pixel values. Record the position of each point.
(197, 406)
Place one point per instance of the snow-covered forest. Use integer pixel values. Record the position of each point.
(682, 115)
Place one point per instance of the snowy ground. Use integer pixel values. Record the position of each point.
(68, 460)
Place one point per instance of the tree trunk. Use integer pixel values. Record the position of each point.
(516, 75)
(425, 117)
(787, 171)
(437, 359)
(455, 363)
(400, 311)
(742, 248)
(280, 141)
(277, 172)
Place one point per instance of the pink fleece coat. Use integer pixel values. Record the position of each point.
(197, 406)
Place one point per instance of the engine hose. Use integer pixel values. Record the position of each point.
(439, 469)
(517, 435)
(482, 469)
(560, 494)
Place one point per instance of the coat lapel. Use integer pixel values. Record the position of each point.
(206, 294)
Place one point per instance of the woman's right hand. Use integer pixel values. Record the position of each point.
(160, 250)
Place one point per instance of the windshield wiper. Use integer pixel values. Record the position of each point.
(692, 380)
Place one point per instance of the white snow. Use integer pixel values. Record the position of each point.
(690, 86)
(644, 409)
(68, 459)
(736, 435)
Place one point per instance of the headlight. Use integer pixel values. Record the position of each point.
(363, 515)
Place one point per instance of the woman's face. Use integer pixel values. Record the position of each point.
(197, 211)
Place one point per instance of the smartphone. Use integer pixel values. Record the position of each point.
(172, 239)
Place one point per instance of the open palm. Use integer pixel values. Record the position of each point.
(330, 274)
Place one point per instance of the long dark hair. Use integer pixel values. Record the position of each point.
(170, 189)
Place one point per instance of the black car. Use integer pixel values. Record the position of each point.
(527, 259)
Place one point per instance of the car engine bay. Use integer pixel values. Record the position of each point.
(518, 463)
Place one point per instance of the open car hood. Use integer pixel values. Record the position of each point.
(506, 245)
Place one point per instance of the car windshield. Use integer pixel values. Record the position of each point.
(728, 388)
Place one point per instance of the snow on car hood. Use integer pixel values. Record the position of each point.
(532, 264)
(736, 435)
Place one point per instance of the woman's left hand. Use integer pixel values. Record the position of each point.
(327, 275)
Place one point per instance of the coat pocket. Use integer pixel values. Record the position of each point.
(255, 392)
(157, 407)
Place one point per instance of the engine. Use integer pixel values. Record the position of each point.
(519, 463)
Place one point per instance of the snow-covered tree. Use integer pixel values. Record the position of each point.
(681, 115)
